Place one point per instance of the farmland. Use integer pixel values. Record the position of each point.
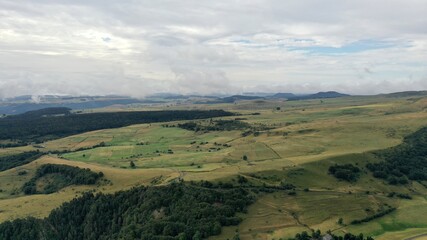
(295, 144)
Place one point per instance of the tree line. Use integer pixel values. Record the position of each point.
(217, 125)
(375, 216)
(317, 235)
(176, 211)
(16, 160)
(407, 161)
(42, 125)
(65, 176)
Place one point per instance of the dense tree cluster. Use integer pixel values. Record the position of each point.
(14, 144)
(38, 126)
(11, 161)
(399, 195)
(217, 125)
(317, 235)
(46, 112)
(346, 172)
(405, 161)
(242, 181)
(29, 228)
(64, 175)
(372, 217)
(176, 211)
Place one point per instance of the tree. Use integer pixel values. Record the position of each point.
(132, 164)
(45, 124)
(316, 234)
(236, 237)
(182, 236)
(302, 236)
(241, 179)
(69, 176)
(190, 213)
(197, 236)
(245, 158)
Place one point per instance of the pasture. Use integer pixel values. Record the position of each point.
(302, 139)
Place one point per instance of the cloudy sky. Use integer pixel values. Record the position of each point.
(141, 47)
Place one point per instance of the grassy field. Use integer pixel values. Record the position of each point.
(303, 140)
(19, 205)
(321, 200)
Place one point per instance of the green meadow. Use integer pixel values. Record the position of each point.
(298, 143)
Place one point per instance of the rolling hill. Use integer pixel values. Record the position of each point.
(310, 165)
(319, 95)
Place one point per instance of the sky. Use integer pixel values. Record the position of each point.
(137, 48)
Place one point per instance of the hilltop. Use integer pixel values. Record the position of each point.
(319, 95)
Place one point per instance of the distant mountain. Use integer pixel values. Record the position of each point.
(67, 102)
(163, 95)
(283, 95)
(19, 98)
(406, 94)
(330, 94)
(176, 97)
(236, 98)
(45, 112)
(230, 99)
(320, 95)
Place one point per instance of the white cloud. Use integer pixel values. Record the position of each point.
(140, 47)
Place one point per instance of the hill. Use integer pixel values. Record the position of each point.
(24, 104)
(170, 212)
(319, 95)
(236, 98)
(44, 112)
(284, 157)
(406, 94)
(230, 99)
(283, 95)
(36, 126)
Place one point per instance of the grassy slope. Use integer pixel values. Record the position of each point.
(20, 206)
(308, 137)
(279, 215)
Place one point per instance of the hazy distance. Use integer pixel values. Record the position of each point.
(137, 48)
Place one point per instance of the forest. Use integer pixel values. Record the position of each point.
(46, 124)
(217, 125)
(15, 160)
(64, 176)
(405, 161)
(176, 211)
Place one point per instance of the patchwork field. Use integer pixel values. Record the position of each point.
(299, 141)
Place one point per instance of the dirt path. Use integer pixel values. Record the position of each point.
(274, 151)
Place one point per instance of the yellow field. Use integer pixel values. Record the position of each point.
(40, 205)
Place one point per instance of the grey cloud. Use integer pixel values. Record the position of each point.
(368, 70)
(139, 47)
(356, 87)
(206, 80)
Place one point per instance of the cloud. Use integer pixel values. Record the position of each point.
(207, 81)
(141, 47)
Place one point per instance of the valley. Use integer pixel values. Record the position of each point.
(282, 143)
